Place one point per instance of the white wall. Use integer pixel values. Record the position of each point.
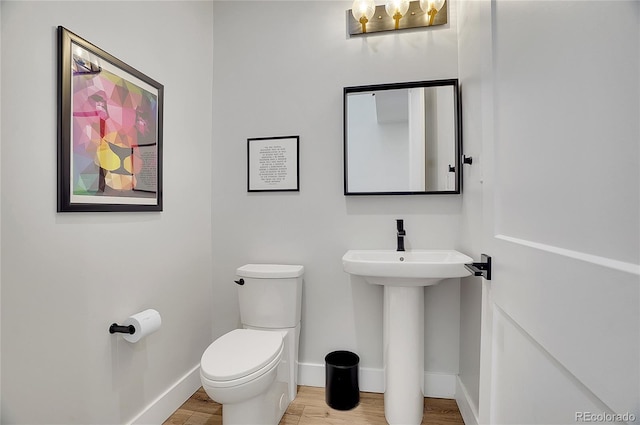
(281, 72)
(417, 140)
(377, 152)
(0, 215)
(474, 56)
(446, 155)
(67, 277)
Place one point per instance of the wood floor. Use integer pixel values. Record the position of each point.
(309, 408)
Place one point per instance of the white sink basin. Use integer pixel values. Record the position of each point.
(417, 267)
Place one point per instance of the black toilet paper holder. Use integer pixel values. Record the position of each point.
(130, 329)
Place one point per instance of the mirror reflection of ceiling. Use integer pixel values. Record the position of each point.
(392, 106)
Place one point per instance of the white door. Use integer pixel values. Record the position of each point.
(561, 323)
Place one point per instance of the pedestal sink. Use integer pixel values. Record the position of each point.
(404, 274)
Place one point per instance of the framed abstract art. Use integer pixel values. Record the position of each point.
(109, 131)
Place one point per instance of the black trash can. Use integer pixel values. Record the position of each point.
(341, 380)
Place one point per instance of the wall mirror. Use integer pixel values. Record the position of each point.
(402, 138)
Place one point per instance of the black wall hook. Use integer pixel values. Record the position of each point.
(122, 329)
(483, 268)
(452, 169)
(467, 159)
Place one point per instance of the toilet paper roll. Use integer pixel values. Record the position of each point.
(146, 322)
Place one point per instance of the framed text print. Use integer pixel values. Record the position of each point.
(273, 164)
(109, 131)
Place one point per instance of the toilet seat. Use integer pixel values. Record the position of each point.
(240, 356)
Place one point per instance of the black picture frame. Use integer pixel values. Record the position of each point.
(273, 164)
(109, 131)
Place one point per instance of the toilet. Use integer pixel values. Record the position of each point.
(253, 371)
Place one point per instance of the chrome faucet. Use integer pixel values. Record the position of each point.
(401, 234)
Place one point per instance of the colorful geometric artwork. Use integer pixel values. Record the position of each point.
(112, 149)
(112, 119)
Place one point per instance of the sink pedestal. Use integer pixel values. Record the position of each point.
(404, 275)
(403, 340)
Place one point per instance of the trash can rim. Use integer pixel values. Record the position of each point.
(352, 359)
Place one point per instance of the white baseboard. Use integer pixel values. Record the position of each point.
(467, 407)
(162, 407)
(312, 375)
(439, 385)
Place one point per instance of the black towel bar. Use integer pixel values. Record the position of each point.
(483, 268)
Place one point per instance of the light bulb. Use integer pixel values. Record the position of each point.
(397, 9)
(431, 8)
(363, 10)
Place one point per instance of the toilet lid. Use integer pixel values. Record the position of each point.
(239, 353)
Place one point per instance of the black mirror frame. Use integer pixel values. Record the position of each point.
(407, 85)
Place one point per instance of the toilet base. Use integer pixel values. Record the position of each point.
(264, 409)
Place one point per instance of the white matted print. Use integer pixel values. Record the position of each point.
(273, 164)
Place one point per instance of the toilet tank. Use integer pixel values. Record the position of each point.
(271, 296)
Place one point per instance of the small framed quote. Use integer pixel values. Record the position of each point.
(273, 164)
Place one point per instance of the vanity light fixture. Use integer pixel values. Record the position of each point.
(431, 8)
(363, 11)
(365, 17)
(396, 9)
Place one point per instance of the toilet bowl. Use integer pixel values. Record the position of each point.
(241, 365)
(252, 371)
